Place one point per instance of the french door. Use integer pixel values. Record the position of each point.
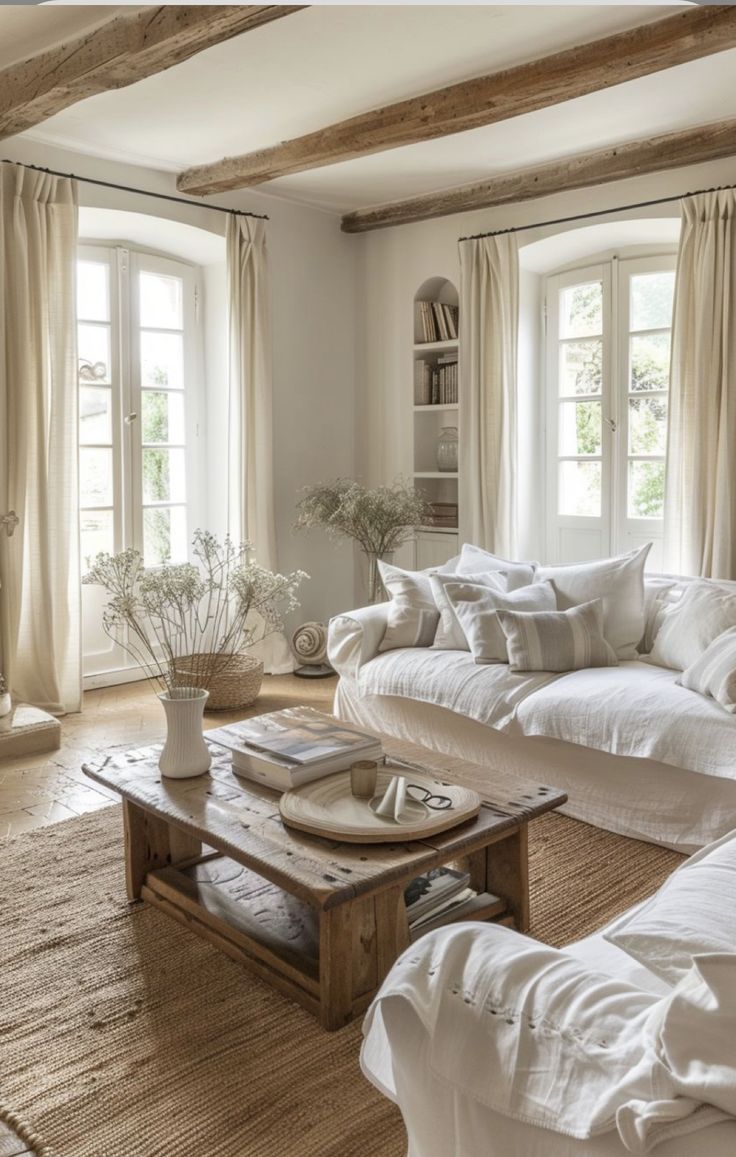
(140, 422)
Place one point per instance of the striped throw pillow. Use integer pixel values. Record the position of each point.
(714, 673)
(557, 640)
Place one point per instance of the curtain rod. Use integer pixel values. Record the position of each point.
(595, 213)
(133, 189)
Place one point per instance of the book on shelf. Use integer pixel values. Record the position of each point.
(287, 748)
(438, 321)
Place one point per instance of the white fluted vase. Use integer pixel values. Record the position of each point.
(185, 752)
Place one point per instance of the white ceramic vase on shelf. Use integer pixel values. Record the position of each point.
(185, 752)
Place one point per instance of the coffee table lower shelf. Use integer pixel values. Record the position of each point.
(330, 961)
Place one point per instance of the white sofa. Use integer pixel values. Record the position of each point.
(474, 1021)
(636, 753)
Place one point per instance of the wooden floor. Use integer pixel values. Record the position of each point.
(36, 790)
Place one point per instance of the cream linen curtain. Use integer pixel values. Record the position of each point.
(250, 492)
(489, 321)
(40, 623)
(700, 513)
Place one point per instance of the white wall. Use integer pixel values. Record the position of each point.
(395, 261)
(314, 319)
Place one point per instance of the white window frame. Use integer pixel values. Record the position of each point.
(612, 532)
(113, 665)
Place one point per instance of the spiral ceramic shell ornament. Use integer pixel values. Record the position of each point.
(309, 643)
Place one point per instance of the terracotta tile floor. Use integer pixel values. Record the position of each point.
(36, 790)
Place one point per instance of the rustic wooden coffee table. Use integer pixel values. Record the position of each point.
(321, 921)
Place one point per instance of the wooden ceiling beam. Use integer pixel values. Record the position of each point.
(551, 80)
(129, 47)
(671, 151)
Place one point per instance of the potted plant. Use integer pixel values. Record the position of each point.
(190, 627)
(380, 519)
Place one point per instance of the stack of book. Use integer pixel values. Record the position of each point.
(443, 514)
(441, 896)
(284, 749)
(436, 384)
(438, 321)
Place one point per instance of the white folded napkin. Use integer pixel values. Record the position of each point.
(393, 802)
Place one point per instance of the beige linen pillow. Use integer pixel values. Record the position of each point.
(618, 583)
(474, 560)
(412, 612)
(476, 608)
(714, 673)
(703, 613)
(450, 635)
(557, 641)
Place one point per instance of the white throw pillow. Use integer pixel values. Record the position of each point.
(558, 640)
(450, 635)
(714, 673)
(694, 912)
(660, 594)
(412, 612)
(618, 583)
(476, 608)
(703, 613)
(474, 560)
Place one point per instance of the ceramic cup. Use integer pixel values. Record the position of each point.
(363, 776)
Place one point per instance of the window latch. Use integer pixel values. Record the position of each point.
(130, 418)
(611, 424)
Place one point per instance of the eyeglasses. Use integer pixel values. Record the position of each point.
(424, 795)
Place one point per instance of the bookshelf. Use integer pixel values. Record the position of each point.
(435, 407)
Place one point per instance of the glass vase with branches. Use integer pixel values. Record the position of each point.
(379, 519)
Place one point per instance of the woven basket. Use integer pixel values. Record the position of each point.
(236, 681)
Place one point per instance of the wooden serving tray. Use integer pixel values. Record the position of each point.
(326, 807)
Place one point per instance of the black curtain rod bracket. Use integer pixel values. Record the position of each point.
(595, 213)
(140, 192)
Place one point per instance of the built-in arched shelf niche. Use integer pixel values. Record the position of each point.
(434, 401)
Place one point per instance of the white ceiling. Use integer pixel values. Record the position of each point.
(329, 62)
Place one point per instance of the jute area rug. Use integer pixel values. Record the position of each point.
(123, 1035)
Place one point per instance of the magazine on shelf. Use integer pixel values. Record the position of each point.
(426, 893)
(463, 910)
(297, 735)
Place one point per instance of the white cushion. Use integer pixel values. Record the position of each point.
(618, 583)
(450, 635)
(659, 595)
(412, 613)
(474, 560)
(694, 912)
(475, 607)
(714, 673)
(703, 613)
(558, 640)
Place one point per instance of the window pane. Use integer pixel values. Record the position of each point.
(95, 419)
(93, 291)
(162, 360)
(580, 488)
(580, 428)
(93, 343)
(161, 301)
(163, 476)
(651, 300)
(163, 416)
(581, 367)
(581, 310)
(650, 362)
(96, 534)
(164, 535)
(646, 489)
(647, 425)
(95, 477)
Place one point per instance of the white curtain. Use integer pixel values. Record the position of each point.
(40, 623)
(251, 514)
(489, 321)
(700, 518)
